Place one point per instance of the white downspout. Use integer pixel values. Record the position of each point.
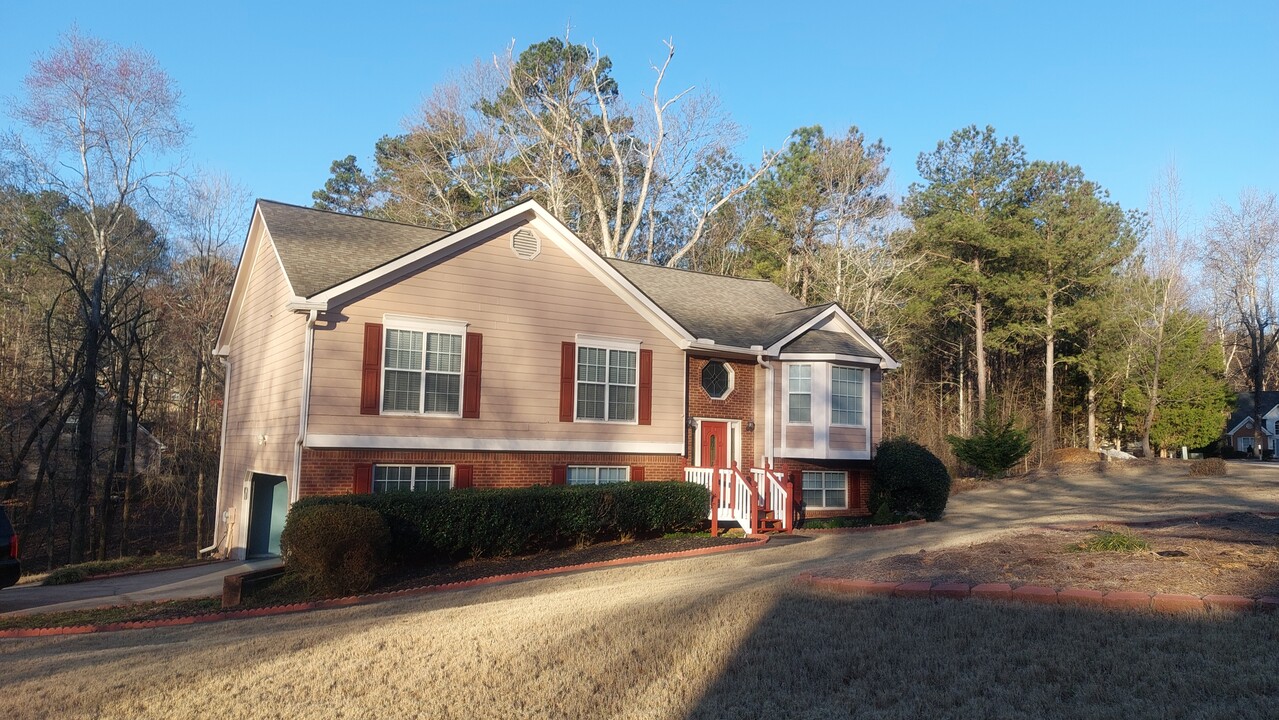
(306, 403)
(768, 407)
(217, 505)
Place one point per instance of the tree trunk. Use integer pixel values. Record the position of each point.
(1092, 411)
(82, 482)
(1050, 349)
(979, 351)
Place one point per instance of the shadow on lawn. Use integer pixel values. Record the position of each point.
(817, 655)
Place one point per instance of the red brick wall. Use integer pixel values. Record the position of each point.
(739, 405)
(331, 472)
(859, 476)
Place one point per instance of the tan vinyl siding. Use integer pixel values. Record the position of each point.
(264, 396)
(799, 437)
(524, 309)
(876, 408)
(847, 438)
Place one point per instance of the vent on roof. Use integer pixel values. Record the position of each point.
(525, 244)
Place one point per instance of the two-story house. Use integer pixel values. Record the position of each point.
(365, 356)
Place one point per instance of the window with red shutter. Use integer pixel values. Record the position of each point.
(471, 378)
(371, 375)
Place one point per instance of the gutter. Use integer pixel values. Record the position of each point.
(768, 406)
(217, 506)
(311, 314)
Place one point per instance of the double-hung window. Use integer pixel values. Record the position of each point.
(847, 393)
(607, 383)
(422, 367)
(389, 478)
(799, 380)
(597, 475)
(825, 490)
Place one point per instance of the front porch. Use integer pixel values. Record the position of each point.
(759, 501)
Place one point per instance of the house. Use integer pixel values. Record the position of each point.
(364, 355)
(1239, 427)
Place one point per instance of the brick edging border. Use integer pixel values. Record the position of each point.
(373, 597)
(1115, 599)
(862, 529)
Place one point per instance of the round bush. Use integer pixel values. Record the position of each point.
(909, 480)
(335, 549)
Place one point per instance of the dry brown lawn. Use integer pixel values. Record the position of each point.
(725, 636)
(1233, 555)
(698, 638)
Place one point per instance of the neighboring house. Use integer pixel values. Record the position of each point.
(1239, 428)
(365, 355)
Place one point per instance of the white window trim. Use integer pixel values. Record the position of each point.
(811, 506)
(732, 380)
(452, 473)
(423, 325)
(812, 393)
(865, 396)
(597, 469)
(605, 343)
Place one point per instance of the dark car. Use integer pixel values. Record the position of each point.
(10, 568)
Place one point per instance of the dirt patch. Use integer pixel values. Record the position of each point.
(1235, 555)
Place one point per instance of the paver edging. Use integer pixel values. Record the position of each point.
(371, 597)
(1165, 603)
(864, 528)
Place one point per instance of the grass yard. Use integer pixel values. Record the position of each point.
(700, 638)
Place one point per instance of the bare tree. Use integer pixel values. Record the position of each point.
(1239, 256)
(101, 123)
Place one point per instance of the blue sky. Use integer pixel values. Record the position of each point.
(275, 92)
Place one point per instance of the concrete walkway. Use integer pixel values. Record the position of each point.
(177, 584)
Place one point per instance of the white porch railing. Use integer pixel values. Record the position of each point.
(744, 497)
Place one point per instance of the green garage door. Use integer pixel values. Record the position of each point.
(267, 508)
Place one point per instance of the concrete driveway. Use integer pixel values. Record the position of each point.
(178, 584)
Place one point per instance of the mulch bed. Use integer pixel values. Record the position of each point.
(1236, 554)
(488, 567)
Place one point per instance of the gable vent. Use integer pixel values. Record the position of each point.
(525, 244)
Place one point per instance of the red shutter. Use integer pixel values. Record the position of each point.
(463, 476)
(471, 378)
(559, 474)
(646, 387)
(363, 481)
(371, 379)
(637, 473)
(568, 375)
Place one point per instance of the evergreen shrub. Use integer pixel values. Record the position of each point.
(335, 549)
(443, 525)
(909, 480)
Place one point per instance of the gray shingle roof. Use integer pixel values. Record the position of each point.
(730, 311)
(828, 341)
(322, 249)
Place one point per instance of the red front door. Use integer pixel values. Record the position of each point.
(714, 444)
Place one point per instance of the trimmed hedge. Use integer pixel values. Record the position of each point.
(909, 480)
(335, 549)
(426, 526)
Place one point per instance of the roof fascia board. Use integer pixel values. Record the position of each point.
(822, 357)
(244, 271)
(408, 263)
(1245, 421)
(554, 230)
(887, 361)
(612, 279)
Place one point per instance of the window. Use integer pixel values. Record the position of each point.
(389, 478)
(607, 383)
(597, 475)
(717, 379)
(825, 490)
(847, 389)
(800, 385)
(422, 371)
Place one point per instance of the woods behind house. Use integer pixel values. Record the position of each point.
(1012, 288)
